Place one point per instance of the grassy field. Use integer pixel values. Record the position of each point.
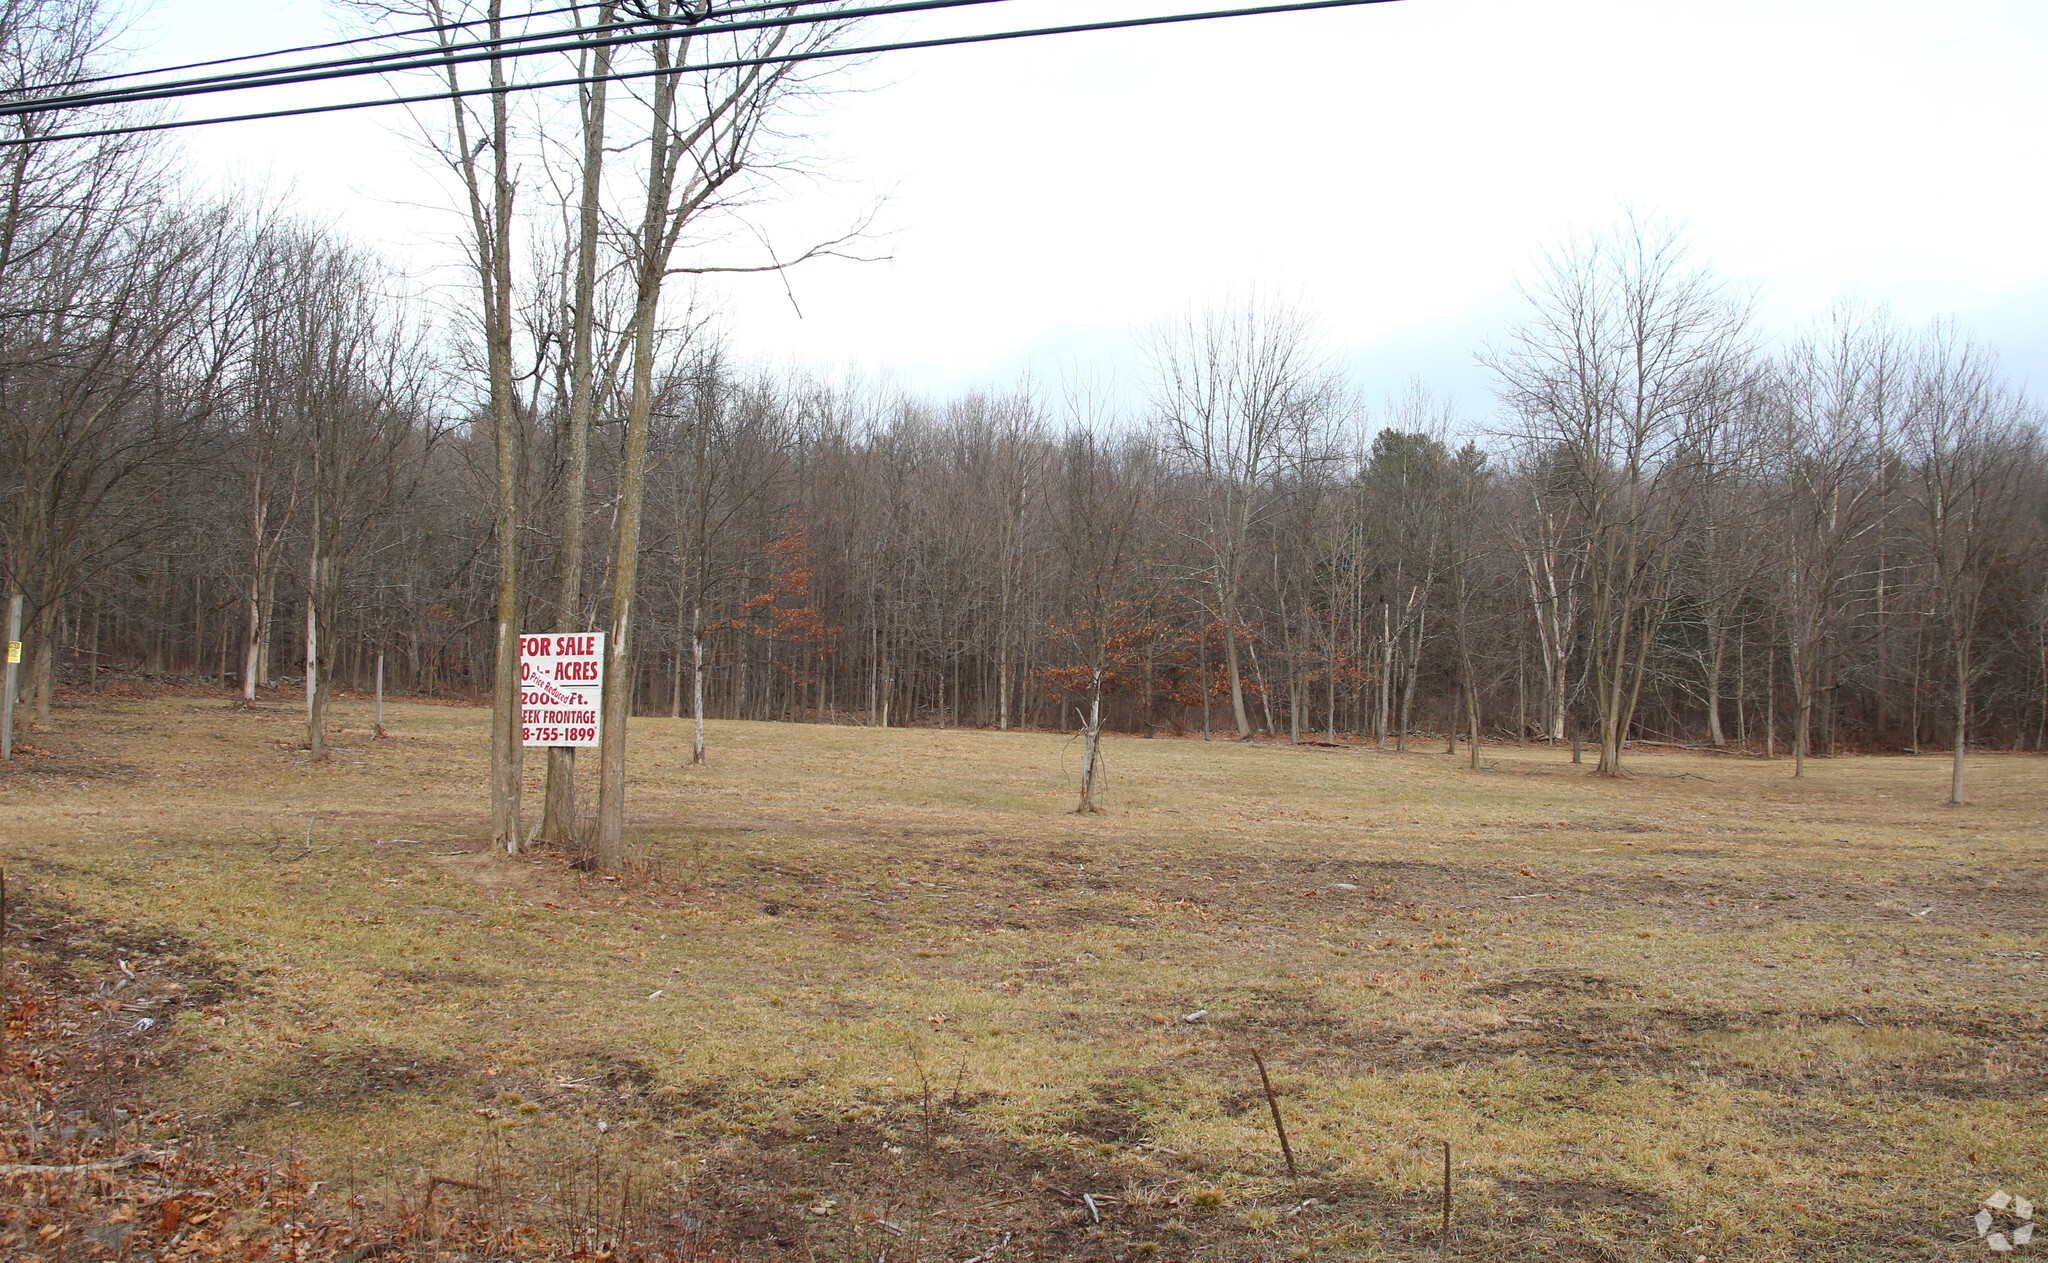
(876, 994)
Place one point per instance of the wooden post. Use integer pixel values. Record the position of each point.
(380, 695)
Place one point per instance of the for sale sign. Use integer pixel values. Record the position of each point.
(561, 689)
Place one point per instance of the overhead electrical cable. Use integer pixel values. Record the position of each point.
(436, 58)
(380, 36)
(354, 42)
(823, 54)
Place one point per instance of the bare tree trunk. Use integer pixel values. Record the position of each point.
(1717, 654)
(269, 622)
(696, 686)
(1470, 680)
(1412, 665)
(655, 240)
(249, 653)
(611, 794)
(491, 223)
(1742, 691)
(1386, 680)
(1145, 723)
(2040, 730)
(1771, 703)
(675, 683)
(42, 670)
(1003, 691)
(1955, 782)
(1802, 704)
(1522, 683)
(1294, 700)
(1237, 710)
(1802, 729)
(1265, 694)
(1472, 714)
(493, 228)
(316, 734)
(558, 809)
(1091, 745)
(1330, 694)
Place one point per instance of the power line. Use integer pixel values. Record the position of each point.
(356, 41)
(304, 48)
(574, 39)
(1079, 28)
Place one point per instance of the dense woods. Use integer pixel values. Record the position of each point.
(242, 452)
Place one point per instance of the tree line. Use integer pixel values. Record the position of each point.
(245, 452)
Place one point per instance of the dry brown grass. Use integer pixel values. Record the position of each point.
(884, 976)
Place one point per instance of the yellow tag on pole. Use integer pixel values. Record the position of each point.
(14, 651)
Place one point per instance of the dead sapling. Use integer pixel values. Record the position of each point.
(1279, 1127)
(959, 1079)
(925, 1085)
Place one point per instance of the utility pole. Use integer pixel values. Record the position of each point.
(13, 671)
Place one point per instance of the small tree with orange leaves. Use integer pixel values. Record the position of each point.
(1104, 491)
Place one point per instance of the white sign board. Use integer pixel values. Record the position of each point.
(561, 689)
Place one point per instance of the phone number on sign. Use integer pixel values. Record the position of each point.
(556, 736)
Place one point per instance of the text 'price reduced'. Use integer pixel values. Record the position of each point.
(561, 689)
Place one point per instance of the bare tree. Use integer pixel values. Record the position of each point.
(1618, 377)
(695, 153)
(1102, 497)
(583, 354)
(734, 442)
(1833, 395)
(1401, 508)
(119, 319)
(360, 388)
(488, 189)
(1231, 389)
(1971, 447)
(1465, 488)
(1554, 565)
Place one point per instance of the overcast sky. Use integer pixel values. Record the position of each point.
(1391, 168)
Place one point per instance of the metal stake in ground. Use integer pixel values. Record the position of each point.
(380, 696)
(1273, 1103)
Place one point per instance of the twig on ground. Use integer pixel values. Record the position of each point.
(76, 1168)
(1447, 1190)
(307, 849)
(1273, 1102)
(437, 1182)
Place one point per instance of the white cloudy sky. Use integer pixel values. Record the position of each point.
(1392, 168)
